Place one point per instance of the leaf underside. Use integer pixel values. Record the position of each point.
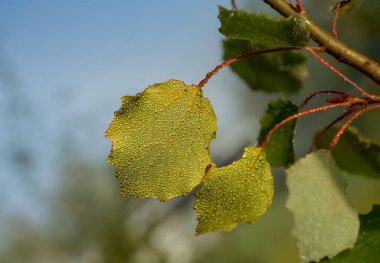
(280, 148)
(354, 153)
(277, 72)
(325, 223)
(238, 193)
(367, 248)
(263, 31)
(160, 140)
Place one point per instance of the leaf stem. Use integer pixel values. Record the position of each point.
(333, 69)
(306, 101)
(297, 115)
(328, 127)
(335, 22)
(333, 46)
(232, 60)
(301, 8)
(292, 4)
(351, 119)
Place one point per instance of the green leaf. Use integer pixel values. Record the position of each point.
(346, 6)
(238, 193)
(325, 223)
(354, 153)
(367, 248)
(277, 72)
(280, 148)
(160, 140)
(263, 31)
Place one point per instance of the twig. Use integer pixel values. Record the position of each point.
(335, 31)
(297, 115)
(333, 69)
(293, 5)
(320, 93)
(301, 8)
(328, 127)
(232, 60)
(351, 119)
(333, 46)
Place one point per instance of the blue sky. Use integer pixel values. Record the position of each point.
(73, 60)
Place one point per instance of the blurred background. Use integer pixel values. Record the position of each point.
(64, 65)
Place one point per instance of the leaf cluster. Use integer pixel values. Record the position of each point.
(161, 148)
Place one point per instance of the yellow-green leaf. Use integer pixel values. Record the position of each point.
(325, 223)
(160, 140)
(238, 193)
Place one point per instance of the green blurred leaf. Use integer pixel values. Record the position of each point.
(345, 6)
(160, 140)
(280, 148)
(238, 193)
(367, 248)
(263, 31)
(325, 223)
(277, 72)
(354, 153)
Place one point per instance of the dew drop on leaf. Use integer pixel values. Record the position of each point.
(238, 193)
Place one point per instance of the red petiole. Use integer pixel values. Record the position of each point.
(351, 119)
(345, 100)
(335, 30)
(300, 114)
(249, 55)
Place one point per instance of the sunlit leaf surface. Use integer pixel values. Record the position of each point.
(238, 193)
(160, 140)
(325, 223)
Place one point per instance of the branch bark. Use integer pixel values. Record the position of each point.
(333, 46)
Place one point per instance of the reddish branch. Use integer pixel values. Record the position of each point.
(300, 114)
(368, 103)
(306, 101)
(301, 8)
(335, 30)
(351, 119)
(232, 60)
(331, 67)
(328, 127)
(333, 46)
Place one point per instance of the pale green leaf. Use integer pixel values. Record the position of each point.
(354, 153)
(367, 248)
(160, 140)
(325, 223)
(280, 148)
(263, 31)
(277, 72)
(238, 193)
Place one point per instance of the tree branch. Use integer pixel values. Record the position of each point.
(333, 46)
